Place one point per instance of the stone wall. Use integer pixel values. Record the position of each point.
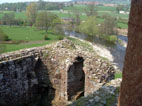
(51, 75)
(107, 95)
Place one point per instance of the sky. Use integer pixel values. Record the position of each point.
(11, 1)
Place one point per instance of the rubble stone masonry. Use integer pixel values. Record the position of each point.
(51, 75)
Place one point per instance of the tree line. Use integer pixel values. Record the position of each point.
(42, 20)
(41, 5)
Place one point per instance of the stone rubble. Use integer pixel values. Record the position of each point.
(107, 95)
(30, 73)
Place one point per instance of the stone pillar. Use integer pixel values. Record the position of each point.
(131, 87)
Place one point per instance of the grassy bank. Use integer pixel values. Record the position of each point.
(27, 37)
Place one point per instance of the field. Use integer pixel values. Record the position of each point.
(70, 12)
(18, 15)
(29, 36)
(102, 10)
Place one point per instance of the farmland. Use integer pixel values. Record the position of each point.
(31, 36)
(26, 37)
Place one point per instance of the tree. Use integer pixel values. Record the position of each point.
(41, 5)
(92, 10)
(119, 8)
(131, 86)
(108, 26)
(77, 19)
(8, 19)
(45, 20)
(90, 26)
(31, 13)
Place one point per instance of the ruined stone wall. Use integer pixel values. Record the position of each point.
(17, 78)
(51, 75)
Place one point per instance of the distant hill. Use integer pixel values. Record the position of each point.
(109, 1)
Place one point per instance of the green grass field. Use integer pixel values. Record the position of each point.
(26, 33)
(122, 26)
(33, 37)
(18, 15)
(36, 37)
(69, 12)
(14, 47)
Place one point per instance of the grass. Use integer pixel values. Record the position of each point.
(122, 25)
(106, 8)
(26, 33)
(18, 15)
(33, 36)
(85, 45)
(13, 47)
(118, 75)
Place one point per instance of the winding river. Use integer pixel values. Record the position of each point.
(113, 52)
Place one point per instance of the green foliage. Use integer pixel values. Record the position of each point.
(92, 10)
(85, 45)
(31, 13)
(120, 8)
(60, 37)
(46, 20)
(110, 38)
(58, 29)
(41, 5)
(54, 6)
(8, 18)
(118, 75)
(13, 6)
(2, 48)
(3, 36)
(90, 26)
(46, 37)
(108, 26)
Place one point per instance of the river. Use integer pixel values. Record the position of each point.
(113, 52)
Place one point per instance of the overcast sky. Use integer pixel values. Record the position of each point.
(10, 1)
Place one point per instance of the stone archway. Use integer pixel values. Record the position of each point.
(76, 80)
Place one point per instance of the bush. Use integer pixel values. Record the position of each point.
(46, 37)
(2, 48)
(110, 38)
(60, 37)
(3, 36)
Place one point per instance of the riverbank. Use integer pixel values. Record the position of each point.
(107, 53)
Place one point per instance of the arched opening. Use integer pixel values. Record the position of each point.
(76, 80)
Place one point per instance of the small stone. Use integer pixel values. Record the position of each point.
(97, 98)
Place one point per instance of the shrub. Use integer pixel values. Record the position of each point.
(60, 37)
(46, 37)
(3, 36)
(110, 38)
